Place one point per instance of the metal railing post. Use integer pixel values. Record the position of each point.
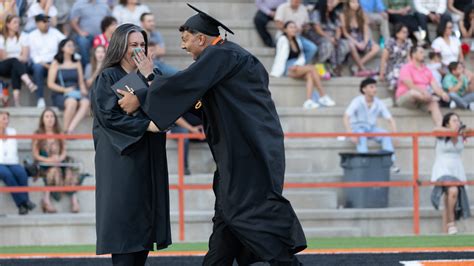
(181, 187)
(416, 188)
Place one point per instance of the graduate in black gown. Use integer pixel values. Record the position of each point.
(132, 196)
(252, 220)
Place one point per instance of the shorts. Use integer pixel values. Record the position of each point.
(406, 101)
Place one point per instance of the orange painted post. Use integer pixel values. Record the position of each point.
(416, 188)
(181, 186)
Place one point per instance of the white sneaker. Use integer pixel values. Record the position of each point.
(41, 103)
(452, 105)
(310, 104)
(452, 230)
(395, 169)
(326, 101)
(471, 107)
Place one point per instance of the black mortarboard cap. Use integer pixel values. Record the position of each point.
(204, 23)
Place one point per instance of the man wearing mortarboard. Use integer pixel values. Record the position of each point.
(252, 221)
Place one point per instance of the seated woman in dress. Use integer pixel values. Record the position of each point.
(326, 33)
(66, 80)
(448, 167)
(355, 28)
(13, 174)
(394, 56)
(50, 154)
(290, 60)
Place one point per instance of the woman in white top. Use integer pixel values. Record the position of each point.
(290, 61)
(13, 174)
(45, 7)
(129, 11)
(14, 55)
(448, 45)
(448, 163)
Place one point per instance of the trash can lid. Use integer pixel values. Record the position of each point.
(366, 154)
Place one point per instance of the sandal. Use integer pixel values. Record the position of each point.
(452, 229)
(31, 86)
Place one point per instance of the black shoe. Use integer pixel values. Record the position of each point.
(30, 205)
(187, 171)
(22, 210)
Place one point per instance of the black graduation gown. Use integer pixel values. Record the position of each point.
(132, 194)
(245, 137)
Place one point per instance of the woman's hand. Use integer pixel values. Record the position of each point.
(144, 63)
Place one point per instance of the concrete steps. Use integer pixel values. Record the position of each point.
(61, 229)
(293, 119)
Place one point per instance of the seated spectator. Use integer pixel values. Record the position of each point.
(456, 11)
(13, 174)
(377, 14)
(361, 117)
(7, 8)
(49, 154)
(188, 123)
(108, 26)
(400, 11)
(14, 56)
(436, 67)
(45, 7)
(296, 12)
(129, 11)
(415, 84)
(326, 33)
(43, 44)
(290, 60)
(448, 167)
(457, 85)
(66, 80)
(95, 66)
(265, 13)
(448, 45)
(433, 11)
(355, 27)
(466, 24)
(86, 17)
(156, 44)
(394, 56)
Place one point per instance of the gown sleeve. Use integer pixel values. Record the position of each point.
(170, 97)
(121, 129)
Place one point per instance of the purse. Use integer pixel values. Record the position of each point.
(75, 94)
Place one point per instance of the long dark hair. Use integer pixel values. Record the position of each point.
(42, 129)
(442, 27)
(359, 16)
(467, 21)
(445, 123)
(119, 43)
(323, 10)
(60, 54)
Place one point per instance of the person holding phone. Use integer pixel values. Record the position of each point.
(132, 197)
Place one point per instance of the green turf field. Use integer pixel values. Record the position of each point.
(315, 243)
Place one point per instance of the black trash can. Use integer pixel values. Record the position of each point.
(368, 167)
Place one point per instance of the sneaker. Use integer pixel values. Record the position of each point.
(326, 101)
(452, 105)
(395, 169)
(310, 104)
(22, 210)
(30, 205)
(452, 229)
(41, 103)
(471, 107)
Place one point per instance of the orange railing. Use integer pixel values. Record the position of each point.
(181, 187)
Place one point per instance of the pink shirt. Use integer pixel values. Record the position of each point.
(420, 76)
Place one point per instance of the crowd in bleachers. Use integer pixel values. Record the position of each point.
(333, 32)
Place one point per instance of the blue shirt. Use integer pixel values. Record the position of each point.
(373, 6)
(360, 114)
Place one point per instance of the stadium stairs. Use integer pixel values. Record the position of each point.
(321, 211)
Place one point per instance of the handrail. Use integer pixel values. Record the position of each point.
(415, 183)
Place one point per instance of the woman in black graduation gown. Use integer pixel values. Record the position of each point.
(252, 220)
(132, 197)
